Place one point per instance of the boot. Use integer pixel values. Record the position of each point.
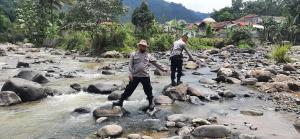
(151, 104)
(178, 81)
(173, 83)
(118, 103)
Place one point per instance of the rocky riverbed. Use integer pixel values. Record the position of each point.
(228, 93)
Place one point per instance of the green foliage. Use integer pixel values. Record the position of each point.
(208, 31)
(279, 54)
(76, 41)
(243, 45)
(205, 43)
(161, 42)
(225, 14)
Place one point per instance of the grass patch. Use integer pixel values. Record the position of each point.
(279, 53)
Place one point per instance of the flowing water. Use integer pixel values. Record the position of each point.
(52, 117)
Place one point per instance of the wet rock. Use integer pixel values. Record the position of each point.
(134, 136)
(112, 54)
(185, 131)
(107, 72)
(180, 124)
(108, 112)
(177, 118)
(101, 88)
(147, 137)
(116, 95)
(76, 86)
(227, 94)
(200, 122)
(52, 92)
(177, 93)
(110, 131)
(289, 67)
(23, 65)
(194, 90)
(233, 80)
(273, 87)
(282, 78)
(246, 136)
(82, 110)
(197, 73)
(207, 81)
(213, 120)
(249, 81)
(297, 124)
(252, 112)
(8, 98)
(26, 90)
(195, 100)
(154, 124)
(101, 120)
(212, 131)
(2, 52)
(32, 76)
(170, 124)
(174, 137)
(163, 100)
(294, 86)
(191, 65)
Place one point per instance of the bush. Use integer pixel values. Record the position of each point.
(205, 43)
(241, 36)
(279, 54)
(76, 41)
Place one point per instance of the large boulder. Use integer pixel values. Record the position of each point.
(177, 118)
(261, 75)
(26, 90)
(110, 131)
(102, 88)
(112, 54)
(273, 87)
(297, 124)
(9, 98)
(32, 76)
(23, 65)
(108, 112)
(191, 65)
(177, 92)
(249, 81)
(212, 131)
(194, 90)
(289, 67)
(163, 100)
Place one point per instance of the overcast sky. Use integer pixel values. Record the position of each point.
(203, 5)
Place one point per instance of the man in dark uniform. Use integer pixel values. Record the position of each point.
(177, 59)
(138, 73)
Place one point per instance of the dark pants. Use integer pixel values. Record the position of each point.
(134, 83)
(176, 65)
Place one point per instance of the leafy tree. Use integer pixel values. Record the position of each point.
(143, 19)
(225, 14)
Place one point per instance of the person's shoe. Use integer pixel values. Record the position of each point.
(173, 83)
(151, 104)
(118, 103)
(179, 82)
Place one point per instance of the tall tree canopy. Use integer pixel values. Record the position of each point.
(142, 17)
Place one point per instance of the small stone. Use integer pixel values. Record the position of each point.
(177, 118)
(297, 124)
(170, 124)
(82, 110)
(180, 124)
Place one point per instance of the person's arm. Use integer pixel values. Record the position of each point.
(186, 50)
(154, 62)
(130, 67)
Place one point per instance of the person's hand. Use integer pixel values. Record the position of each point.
(130, 77)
